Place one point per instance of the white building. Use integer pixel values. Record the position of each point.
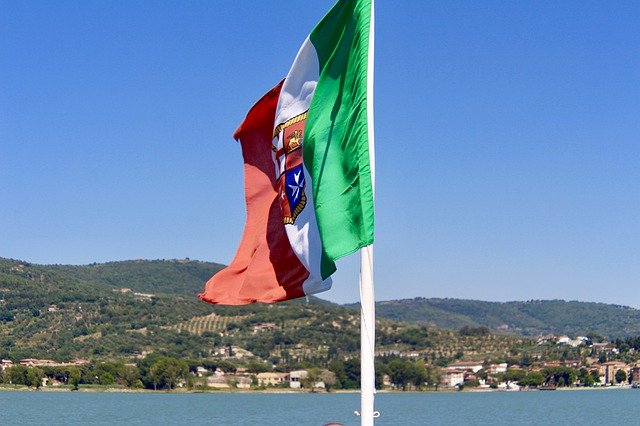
(296, 378)
(452, 377)
(5, 363)
(498, 368)
(272, 379)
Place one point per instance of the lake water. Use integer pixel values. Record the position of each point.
(588, 407)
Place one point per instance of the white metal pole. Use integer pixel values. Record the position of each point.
(367, 337)
(367, 299)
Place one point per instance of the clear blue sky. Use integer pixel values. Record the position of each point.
(508, 138)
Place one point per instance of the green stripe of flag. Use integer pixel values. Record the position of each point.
(336, 146)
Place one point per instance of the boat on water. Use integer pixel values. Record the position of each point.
(547, 387)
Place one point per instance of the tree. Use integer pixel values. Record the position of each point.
(74, 378)
(313, 377)
(526, 361)
(533, 378)
(514, 375)
(621, 376)
(337, 367)
(405, 373)
(131, 376)
(468, 330)
(351, 374)
(562, 376)
(166, 372)
(6, 316)
(16, 375)
(256, 367)
(329, 379)
(436, 376)
(595, 337)
(34, 377)
(585, 377)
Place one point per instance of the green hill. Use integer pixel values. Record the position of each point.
(132, 308)
(129, 309)
(531, 318)
(184, 277)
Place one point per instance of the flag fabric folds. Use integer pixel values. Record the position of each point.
(265, 268)
(308, 177)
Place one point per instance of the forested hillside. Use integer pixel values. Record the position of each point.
(182, 276)
(129, 309)
(529, 318)
(132, 308)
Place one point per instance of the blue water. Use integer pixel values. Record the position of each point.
(594, 407)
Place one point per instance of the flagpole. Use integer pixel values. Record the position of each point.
(367, 338)
(367, 298)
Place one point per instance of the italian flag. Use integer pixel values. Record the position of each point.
(308, 154)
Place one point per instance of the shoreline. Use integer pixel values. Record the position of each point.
(106, 389)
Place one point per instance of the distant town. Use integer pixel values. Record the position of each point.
(399, 370)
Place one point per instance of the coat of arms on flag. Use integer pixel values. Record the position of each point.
(290, 174)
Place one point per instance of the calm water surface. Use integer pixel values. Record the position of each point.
(591, 407)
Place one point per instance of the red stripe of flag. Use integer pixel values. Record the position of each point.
(265, 268)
